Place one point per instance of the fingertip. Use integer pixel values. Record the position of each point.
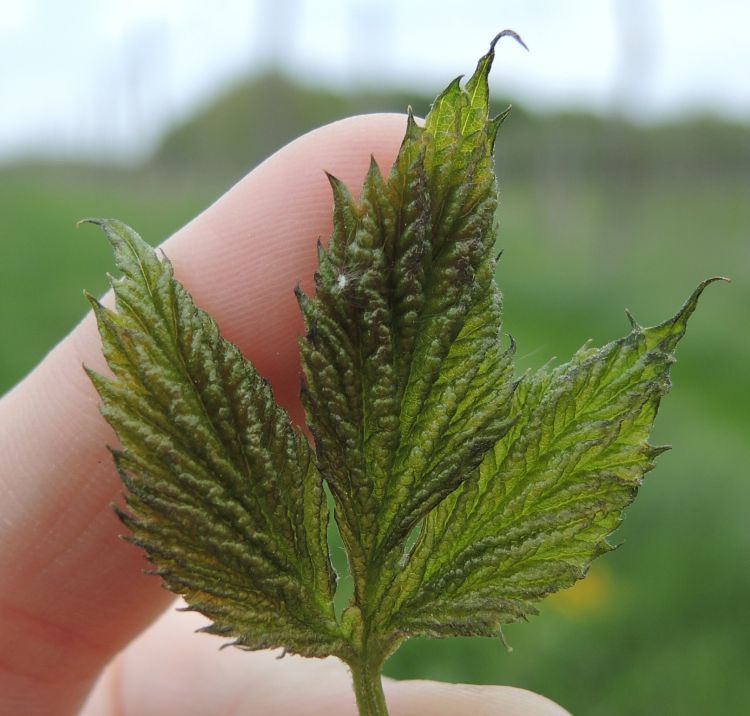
(414, 698)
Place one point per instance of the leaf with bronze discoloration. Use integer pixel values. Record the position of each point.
(463, 494)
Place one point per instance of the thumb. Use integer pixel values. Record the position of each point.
(171, 670)
(418, 698)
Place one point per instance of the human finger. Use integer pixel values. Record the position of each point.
(170, 671)
(71, 594)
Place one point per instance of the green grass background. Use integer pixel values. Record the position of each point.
(596, 215)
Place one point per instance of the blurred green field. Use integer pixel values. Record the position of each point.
(596, 216)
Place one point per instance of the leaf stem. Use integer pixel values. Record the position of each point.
(368, 685)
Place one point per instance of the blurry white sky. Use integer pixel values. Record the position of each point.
(93, 77)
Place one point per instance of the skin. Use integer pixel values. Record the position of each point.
(82, 629)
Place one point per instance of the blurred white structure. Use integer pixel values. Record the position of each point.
(104, 78)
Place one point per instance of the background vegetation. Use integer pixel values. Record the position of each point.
(596, 215)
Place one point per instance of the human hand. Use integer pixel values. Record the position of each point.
(73, 596)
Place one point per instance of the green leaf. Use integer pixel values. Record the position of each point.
(463, 494)
(225, 497)
(408, 384)
(543, 501)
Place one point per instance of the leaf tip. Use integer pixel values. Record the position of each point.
(411, 122)
(656, 450)
(507, 33)
(334, 181)
(94, 376)
(696, 294)
(89, 220)
(676, 326)
(93, 300)
(633, 323)
(495, 123)
(709, 281)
